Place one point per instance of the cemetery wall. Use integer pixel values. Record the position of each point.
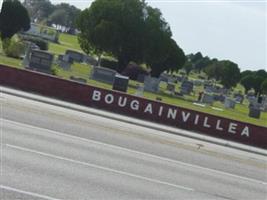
(134, 106)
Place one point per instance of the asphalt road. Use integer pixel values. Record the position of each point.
(49, 152)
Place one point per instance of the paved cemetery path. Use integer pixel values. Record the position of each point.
(48, 152)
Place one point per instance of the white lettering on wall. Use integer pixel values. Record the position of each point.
(122, 103)
(232, 128)
(245, 132)
(109, 98)
(218, 127)
(149, 108)
(96, 95)
(185, 116)
(196, 119)
(205, 124)
(172, 113)
(160, 110)
(134, 105)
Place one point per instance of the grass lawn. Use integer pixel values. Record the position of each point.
(240, 112)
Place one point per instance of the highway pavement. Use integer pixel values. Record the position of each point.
(50, 152)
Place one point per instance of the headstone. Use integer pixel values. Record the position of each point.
(164, 77)
(187, 87)
(198, 82)
(151, 84)
(170, 88)
(139, 91)
(75, 56)
(120, 83)
(103, 74)
(64, 65)
(229, 103)
(219, 97)
(141, 78)
(207, 98)
(254, 112)
(41, 61)
(26, 59)
(90, 60)
(239, 98)
(264, 104)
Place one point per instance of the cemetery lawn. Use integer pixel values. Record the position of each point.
(240, 112)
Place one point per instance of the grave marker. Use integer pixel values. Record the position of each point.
(151, 84)
(41, 61)
(103, 74)
(120, 83)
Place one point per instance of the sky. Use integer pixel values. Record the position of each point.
(233, 30)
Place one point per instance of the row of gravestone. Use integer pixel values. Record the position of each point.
(65, 61)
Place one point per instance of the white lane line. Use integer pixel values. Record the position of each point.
(98, 167)
(137, 152)
(28, 193)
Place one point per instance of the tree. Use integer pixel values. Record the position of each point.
(188, 67)
(214, 70)
(13, 18)
(247, 82)
(230, 74)
(64, 15)
(246, 73)
(174, 61)
(114, 26)
(264, 86)
(39, 10)
(257, 83)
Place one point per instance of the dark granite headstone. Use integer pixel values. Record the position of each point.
(254, 112)
(120, 83)
(41, 61)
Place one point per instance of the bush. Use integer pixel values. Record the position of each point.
(14, 48)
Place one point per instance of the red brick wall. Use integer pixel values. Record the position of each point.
(133, 106)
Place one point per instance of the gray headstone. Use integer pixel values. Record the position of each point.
(139, 91)
(229, 103)
(207, 98)
(239, 98)
(103, 74)
(141, 78)
(90, 60)
(64, 65)
(75, 56)
(187, 87)
(41, 61)
(151, 84)
(120, 83)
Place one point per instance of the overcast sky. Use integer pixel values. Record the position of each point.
(234, 30)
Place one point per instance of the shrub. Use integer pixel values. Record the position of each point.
(14, 47)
